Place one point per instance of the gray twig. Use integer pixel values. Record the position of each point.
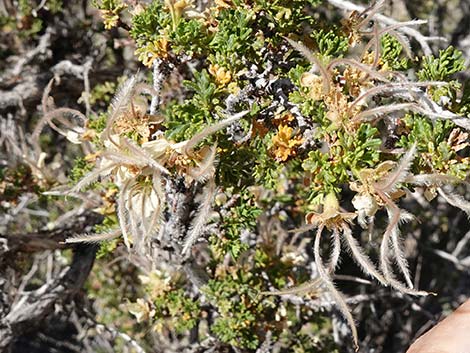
(33, 306)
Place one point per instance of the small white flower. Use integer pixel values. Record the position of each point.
(365, 203)
(366, 206)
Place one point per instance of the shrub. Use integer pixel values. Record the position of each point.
(278, 129)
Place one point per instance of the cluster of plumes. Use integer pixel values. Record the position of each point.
(26, 148)
(378, 189)
(140, 165)
(381, 187)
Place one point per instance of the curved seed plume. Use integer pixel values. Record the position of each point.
(144, 202)
(370, 12)
(335, 252)
(385, 264)
(206, 167)
(351, 62)
(145, 157)
(393, 227)
(432, 179)
(409, 31)
(122, 212)
(58, 114)
(93, 238)
(394, 87)
(404, 42)
(157, 188)
(122, 159)
(393, 28)
(414, 107)
(359, 256)
(150, 195)
(455, 200)
(201, 217)
(144, 88)
(377, 44)
(302, 49)
(137, 218)
(45, 96)
(304, 288)
(119, 104)
(93, 176)
(327, 281)
(389, 183)
(439, 113)
(379, 112)
(190, 144)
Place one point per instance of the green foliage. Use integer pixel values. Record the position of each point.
(266, 170)
(110, 11)
(109, 5)
(437, 149)
(463, 106)
(184, 120)
(352, 153)
(147, 24)
(189, 38)
(107, 286)
(449, 62)
(233, 38)
(107, 248)
(239, 307)
(235, 166)
(80, 168)
(242, 217)
(147, 30)
(244, 316)
(98, 123)
(441, 68)
(303, 343)
(329, 43)
(391, 54)
(177, 310)
(204, 91)
(16, 181)
(286, 16)
(27, 22)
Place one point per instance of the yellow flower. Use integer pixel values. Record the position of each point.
(331, 217)
(157, 282)
(284, 13)
(222, 76)
(283, 119)
(223, 4)
(111, 16)
(368, 177)
(233, 88)
(315, 83)
(153, 50)
(350, 28)
(110, 19)
(356, 80)
(134, 122)
(88, 135)
(178, 6)
(284, 144)
(141, 309)
(337, 105)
